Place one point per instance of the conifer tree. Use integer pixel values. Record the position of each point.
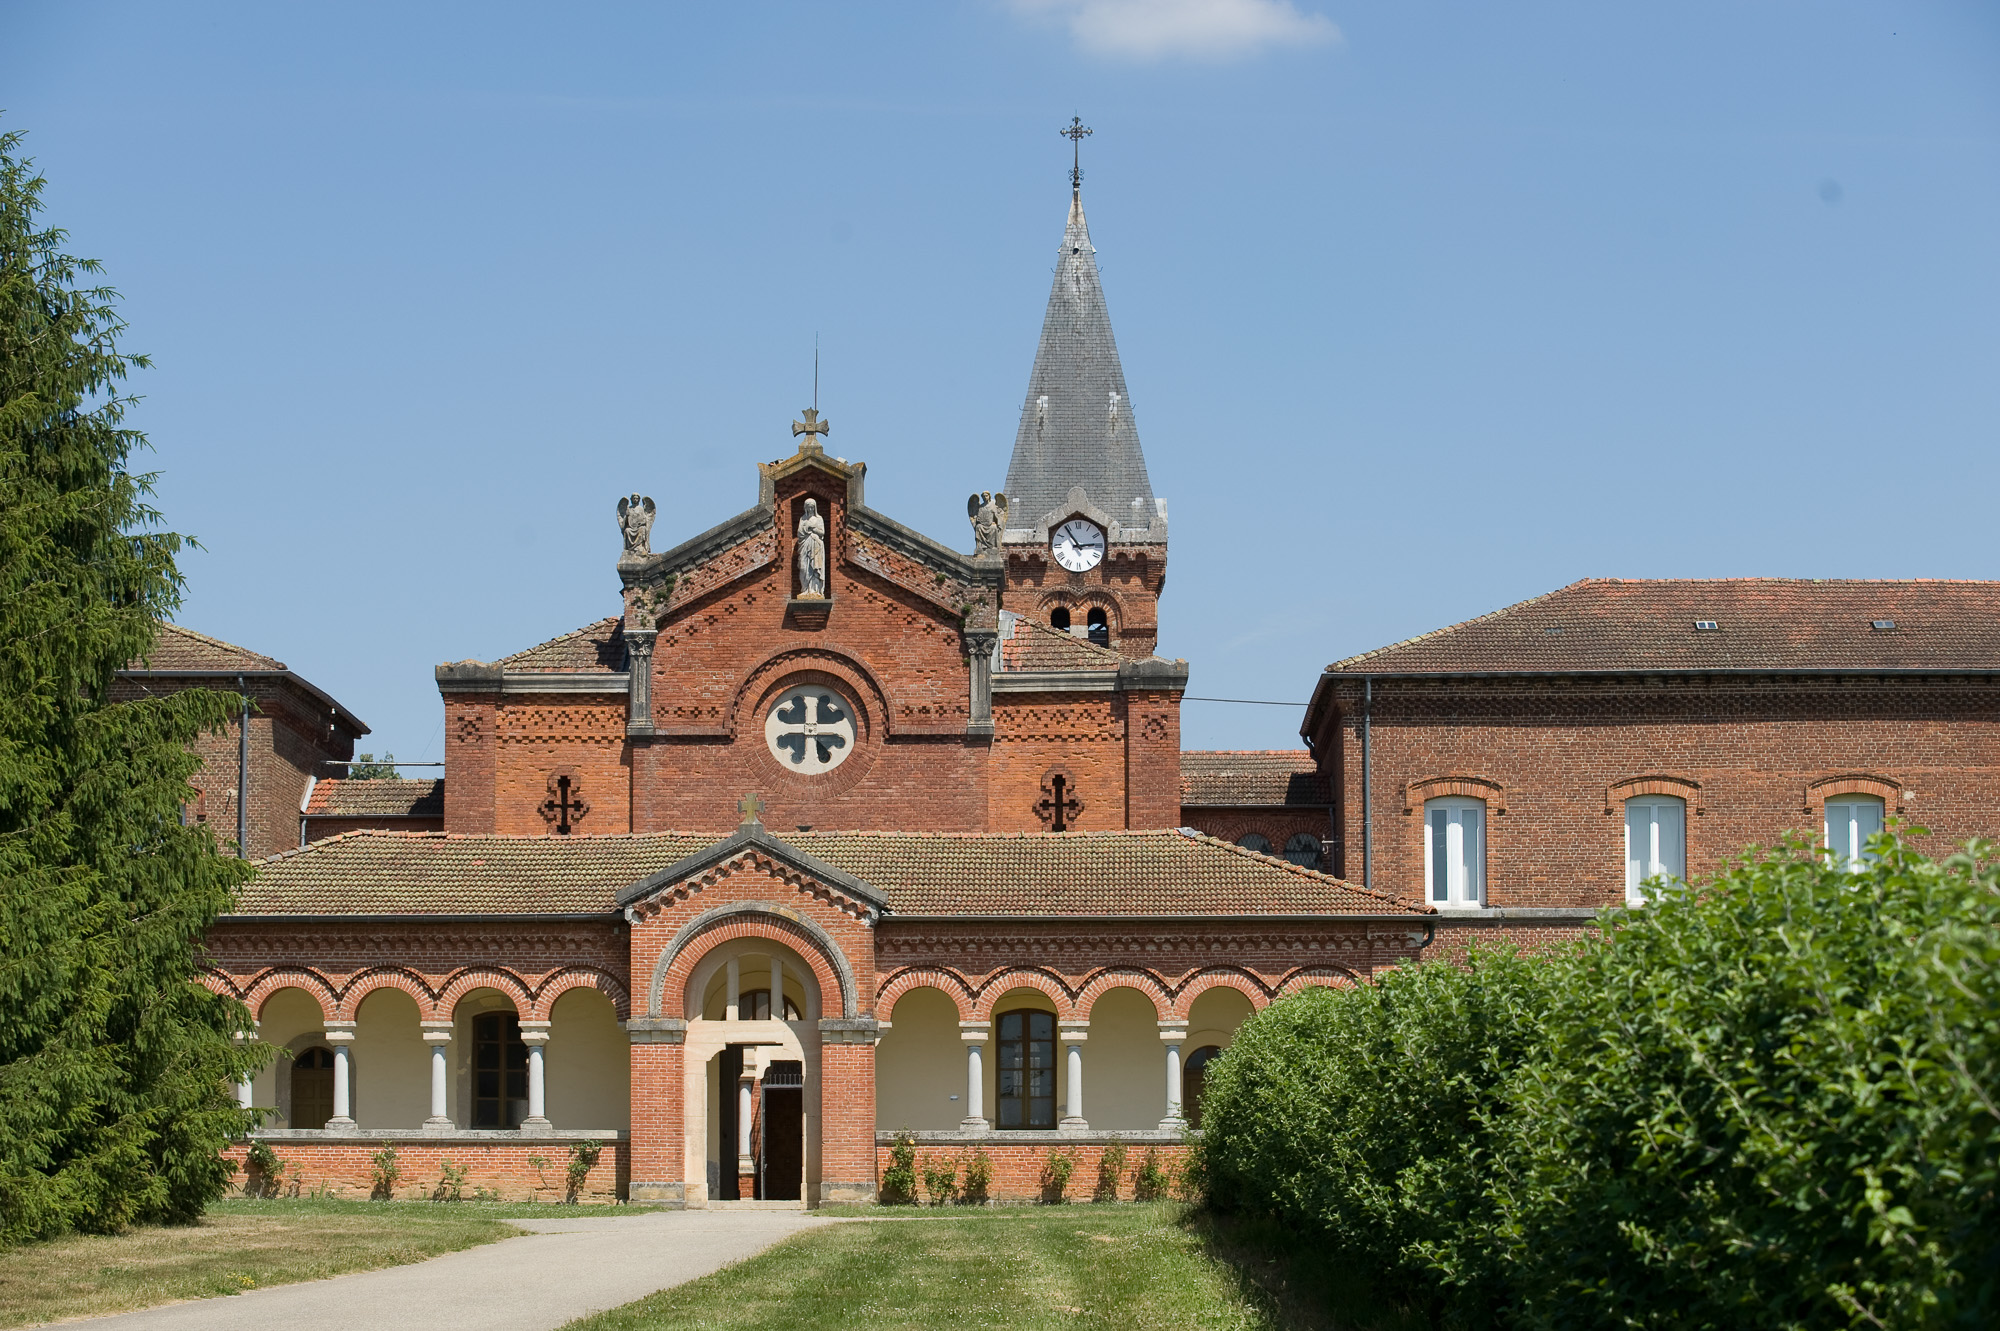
(115, 1064)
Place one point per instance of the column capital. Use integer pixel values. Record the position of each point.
(339, 1032)
(1173, 1034)
(534, 1032)
(437, 1037)
(1073, 1034)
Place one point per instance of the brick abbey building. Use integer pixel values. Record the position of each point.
(834, 829)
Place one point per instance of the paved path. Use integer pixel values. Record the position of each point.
(559, 1272)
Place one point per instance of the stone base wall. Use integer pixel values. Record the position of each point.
(343, 1166)
(1020, 1166)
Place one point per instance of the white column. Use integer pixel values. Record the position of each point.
(535, 1034)
(1073, 1119)
(437, 1034)
(245, 1096)
(340, 1034)
(974, 1035)
(734, 989)
(1172, 1037)
(777, 989)
(743, 1085)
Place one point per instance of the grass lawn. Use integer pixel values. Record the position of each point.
(1021, 1269)
(240, 1245)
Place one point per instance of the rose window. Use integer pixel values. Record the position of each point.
(810, 729)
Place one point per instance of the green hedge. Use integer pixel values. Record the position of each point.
(1767, 1102)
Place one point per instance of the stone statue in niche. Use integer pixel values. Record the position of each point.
(812, 553)
(635, 519)
(988, 512)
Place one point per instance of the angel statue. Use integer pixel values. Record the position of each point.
(635, 519)
(812, 553)
(988, 512)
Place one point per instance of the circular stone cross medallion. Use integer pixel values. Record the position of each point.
(810, 729)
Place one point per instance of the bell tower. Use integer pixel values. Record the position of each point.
(1085, 540)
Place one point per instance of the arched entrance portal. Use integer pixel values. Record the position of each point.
(753, 1087)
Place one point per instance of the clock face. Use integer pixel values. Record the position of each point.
(1077, 545)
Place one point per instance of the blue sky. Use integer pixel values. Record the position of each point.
(1424, 308)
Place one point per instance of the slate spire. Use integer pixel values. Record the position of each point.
(1076, 425)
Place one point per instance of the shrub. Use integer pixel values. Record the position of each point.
(1353, 1114)
(1767, 1102)
(582, 1159)
(978, 1185)
(1150, 1181)
(940, 1179)
(1110, 1170)
(266, 1174)
(384, 1169)
(899, 1180)
(1056, 1171)
(451, 1182)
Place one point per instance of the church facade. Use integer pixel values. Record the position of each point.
(832, 831)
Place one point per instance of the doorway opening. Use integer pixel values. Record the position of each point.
(781, 1166)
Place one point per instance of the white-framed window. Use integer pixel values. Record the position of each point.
(1655, 842)
(1850, 821)
(1455, 851)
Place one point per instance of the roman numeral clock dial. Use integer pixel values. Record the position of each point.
(1078, 545)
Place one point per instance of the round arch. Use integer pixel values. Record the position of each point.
(902, 982)
(1027, 977)
(580, 977)
(386, 977)
(748, 919)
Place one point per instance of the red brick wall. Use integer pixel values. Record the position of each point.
(659, 1153)
(345, 1168)
(1751, 749)
(471, 761)
(847, 1122)
(1018, 1169)
(579, 735)
(291, 734)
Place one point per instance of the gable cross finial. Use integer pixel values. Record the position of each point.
(750, 806)
(812, 427)
(1076, 132)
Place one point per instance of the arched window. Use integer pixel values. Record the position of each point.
(1850, 821)
(499, 1071)
(1027, 1086)
(1455, 851)
(1256, 841)
(1194, 1075)
(1059, 618)
(312, 1088)
(1099, 628)
(1302, 849)
(755, 1005)
(1655, 842)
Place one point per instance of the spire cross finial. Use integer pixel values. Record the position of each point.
(1076, 132)
(812, 427)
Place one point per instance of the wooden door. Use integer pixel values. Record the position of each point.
(312, 1088)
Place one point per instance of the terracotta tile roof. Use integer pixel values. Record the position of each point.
(938, 873)
(594, 647)
(1034, 646)
(1759, 624)
(184, 649)
(342, 797)
(1257, 776)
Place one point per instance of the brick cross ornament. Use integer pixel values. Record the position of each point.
(1059, 807)
(565, 805)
